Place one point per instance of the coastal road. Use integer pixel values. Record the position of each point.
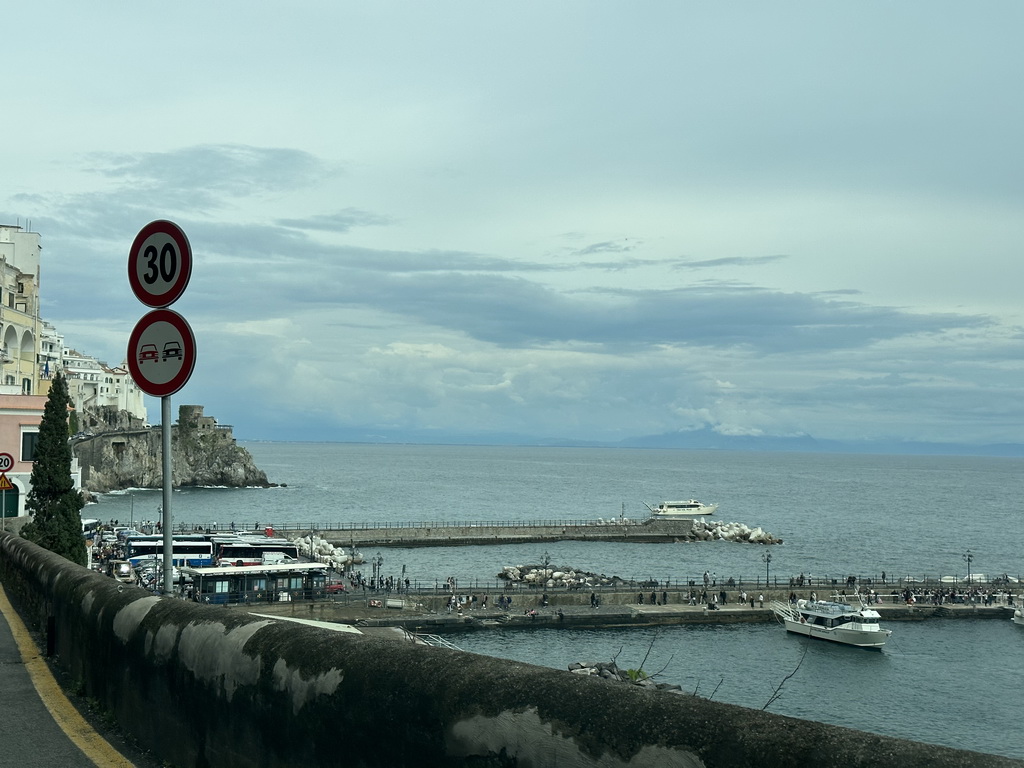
(39, 726)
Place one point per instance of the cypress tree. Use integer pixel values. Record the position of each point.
(52, 501)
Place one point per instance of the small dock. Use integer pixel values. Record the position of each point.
(490, 532)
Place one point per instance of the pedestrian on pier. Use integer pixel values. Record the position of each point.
(593, 599)
(760, 599)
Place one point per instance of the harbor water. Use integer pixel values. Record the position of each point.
(952, 682)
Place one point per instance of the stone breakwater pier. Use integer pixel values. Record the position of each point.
(448, 534)
(426, 611)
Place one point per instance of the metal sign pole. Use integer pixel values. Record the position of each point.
(165, 417)
(159, 268)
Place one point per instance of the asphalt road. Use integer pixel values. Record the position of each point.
(43, 726)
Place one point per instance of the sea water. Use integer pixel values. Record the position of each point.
(949, 682)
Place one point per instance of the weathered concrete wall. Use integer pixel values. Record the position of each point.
(203, 686)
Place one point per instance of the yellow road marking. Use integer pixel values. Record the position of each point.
(94, 746)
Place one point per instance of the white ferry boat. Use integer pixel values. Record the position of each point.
(833, 620)
(688, 508)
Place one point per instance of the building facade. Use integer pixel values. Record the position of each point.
(20, 417)
(31, 354)
(20, 324)
(95, 387)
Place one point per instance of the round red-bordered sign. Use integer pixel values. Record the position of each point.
(159, 263)
(161, 352)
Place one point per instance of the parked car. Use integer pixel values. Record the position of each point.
(121, 570)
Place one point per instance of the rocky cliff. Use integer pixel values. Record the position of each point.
(202, 453)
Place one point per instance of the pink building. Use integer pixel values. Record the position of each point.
(20, 416)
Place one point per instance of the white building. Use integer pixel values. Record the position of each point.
(93, 385)
(20, 324)
(32, 351)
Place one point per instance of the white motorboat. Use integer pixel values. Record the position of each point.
(688, 508)
(833, 620)
(1018, 617)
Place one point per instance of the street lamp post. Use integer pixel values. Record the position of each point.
(377, 561)
(767, 557)
(968, 558)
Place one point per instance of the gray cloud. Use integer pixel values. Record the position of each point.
(215, 169)
(342, 221)
(730, 261)
(598, 234)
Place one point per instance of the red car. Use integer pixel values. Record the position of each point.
(149, 352)
(332, 588)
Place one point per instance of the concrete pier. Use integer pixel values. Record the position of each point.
(465, 534)
(426, 611)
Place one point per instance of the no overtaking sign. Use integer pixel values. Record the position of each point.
(161, 352)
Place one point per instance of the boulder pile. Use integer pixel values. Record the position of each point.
(610, 671)
(719, 531)
(324, 552)
(553, 578)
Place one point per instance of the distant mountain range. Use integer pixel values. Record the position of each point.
(696, 440)
(708, 440)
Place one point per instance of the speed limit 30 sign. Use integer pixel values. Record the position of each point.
(159, 264)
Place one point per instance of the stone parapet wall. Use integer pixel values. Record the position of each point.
(209, 686)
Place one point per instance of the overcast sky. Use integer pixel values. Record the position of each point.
(587, 220)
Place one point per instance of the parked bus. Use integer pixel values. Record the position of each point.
(241, 551)
(185, 550)
(257, 583)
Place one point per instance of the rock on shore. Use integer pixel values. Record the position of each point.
(204, 453)
(719, 531)
(610, 671)
(553, 578)
(323, 551)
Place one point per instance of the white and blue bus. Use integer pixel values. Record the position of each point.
(191, 550)
(258, 583)
(241, 551)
